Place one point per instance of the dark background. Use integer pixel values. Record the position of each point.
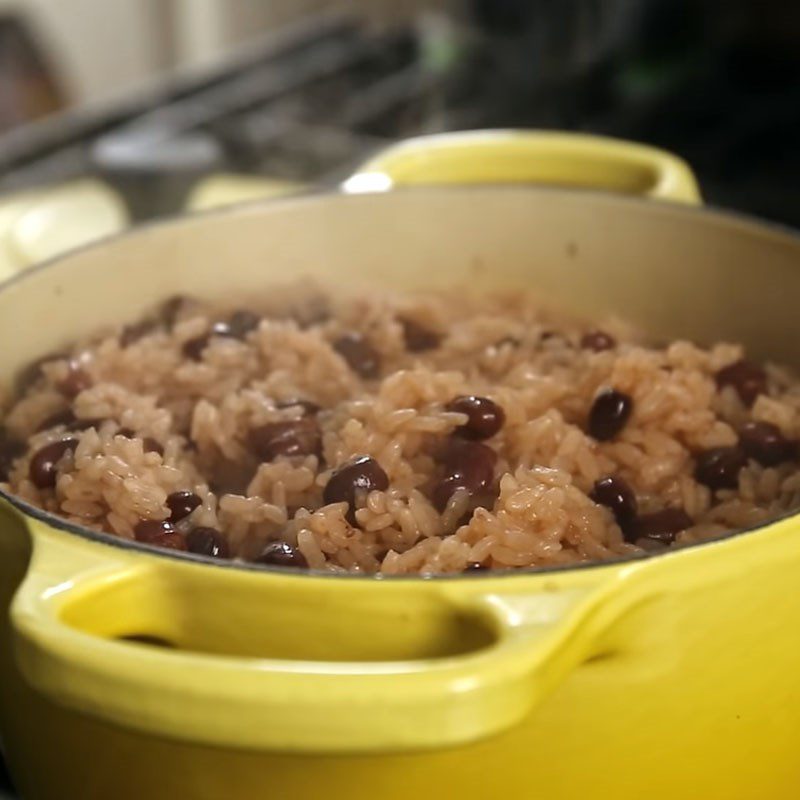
(717, 81)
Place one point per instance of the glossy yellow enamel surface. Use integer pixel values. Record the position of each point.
(531, 157)
(446, 664)
(663, 677)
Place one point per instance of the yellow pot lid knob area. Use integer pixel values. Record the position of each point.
(37, 225)
(530, 157)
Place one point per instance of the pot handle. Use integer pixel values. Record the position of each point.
(535, 638)
(519, 156)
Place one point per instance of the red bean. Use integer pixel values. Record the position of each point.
(282, 554)
(748, 379)
(76, 381)
(131, 334)
(418, 338)
(207, 542)
(193, 348)
(63, 417)
(225, 330)
(181, 504)
(597, 341)
(614, 493)
(484, 416)
(227, 478)
(719, 467)
(764, 442)
(473, 460)
(242, 322)
(11, 449)
(661, 526)
(484, 498)
(160, 533)
(150, 445)
(475, 566)
(359, 354)
(294, 437)
(446, 488)
(609, 414)
(470, 466)
(352, 481)
(67, 418)
(43, 468)
(147, 529)
(172, 307)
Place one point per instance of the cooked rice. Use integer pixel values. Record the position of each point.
(503, 347)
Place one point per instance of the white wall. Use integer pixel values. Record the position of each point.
(100, 47)
(104, 47)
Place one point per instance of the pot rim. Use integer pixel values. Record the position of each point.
(711, 214)
(100, 537)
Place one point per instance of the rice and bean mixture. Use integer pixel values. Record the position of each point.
(431, 433)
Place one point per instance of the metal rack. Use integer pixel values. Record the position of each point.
(303, 105)
(307, 103)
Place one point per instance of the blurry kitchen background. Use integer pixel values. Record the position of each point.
(165, 105)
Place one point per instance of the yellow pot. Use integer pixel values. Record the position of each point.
(664, 676)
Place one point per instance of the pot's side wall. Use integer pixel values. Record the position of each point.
(675, 271)
(692, 694)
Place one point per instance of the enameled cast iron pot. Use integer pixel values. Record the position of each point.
(662, 676)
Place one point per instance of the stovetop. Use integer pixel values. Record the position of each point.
(309, 103)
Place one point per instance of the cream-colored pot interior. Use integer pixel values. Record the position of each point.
(674, 271)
